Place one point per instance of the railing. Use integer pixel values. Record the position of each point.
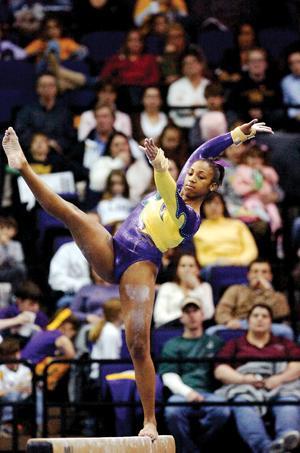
(88, 405)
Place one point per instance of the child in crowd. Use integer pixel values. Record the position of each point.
(257, 183)
(106, 335)
(15, 383)
(115, 204)
(12, 266)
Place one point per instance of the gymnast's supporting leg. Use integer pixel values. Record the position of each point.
(92, 238)
(137, 289)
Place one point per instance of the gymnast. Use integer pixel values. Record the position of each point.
(132, 257)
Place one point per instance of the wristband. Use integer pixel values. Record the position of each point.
(239, 137)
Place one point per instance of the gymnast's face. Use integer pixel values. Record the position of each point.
(199, 180)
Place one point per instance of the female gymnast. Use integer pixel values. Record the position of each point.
(132, 257)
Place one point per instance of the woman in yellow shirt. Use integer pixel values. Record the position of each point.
(163, 220)
(221, 240)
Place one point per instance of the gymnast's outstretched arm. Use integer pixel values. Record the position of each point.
(215, 146)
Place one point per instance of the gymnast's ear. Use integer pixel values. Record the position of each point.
(213, 187)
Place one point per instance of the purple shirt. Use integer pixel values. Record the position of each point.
(11, 311)
(90, 299)
(41, 345)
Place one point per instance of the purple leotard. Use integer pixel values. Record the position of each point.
(132, 245)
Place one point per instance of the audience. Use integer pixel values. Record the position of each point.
(290, 86)
(221, 240)
(12, 266)
(188, 91)
(261, 381)
(15, 385)
(233, 308)
(257, 183)
(106, 94)
(151, 121)
(69, 271)
(186, 281)
(118, 155)
(27, 300)
(132, 69)
(47, 115)
(191, 381)
(115, 205)
(87, 305)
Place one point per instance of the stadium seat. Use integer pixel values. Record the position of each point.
(103, 44)
(214, 43)
(221, 277)
(17, 74)
(160, 336)
(230, 334)
(276, 40)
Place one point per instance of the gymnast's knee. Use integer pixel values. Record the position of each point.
(138, 347)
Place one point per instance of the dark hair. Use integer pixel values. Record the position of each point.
(261, 305)
(103, 84)
(28, 290)
(218, 171)
(8, 347)
(208, 199)
(108, 186)
(213, 89)
(177, 258)
(124, 49)
(8, 222)
(71, 320)
(259, 260)
(108, 144)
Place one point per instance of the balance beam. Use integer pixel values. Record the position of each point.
(164, 444)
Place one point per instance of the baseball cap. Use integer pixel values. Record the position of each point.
(191, 300)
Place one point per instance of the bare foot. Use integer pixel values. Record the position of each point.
(149, 430)
(13, 150)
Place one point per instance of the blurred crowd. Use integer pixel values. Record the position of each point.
(106, 74)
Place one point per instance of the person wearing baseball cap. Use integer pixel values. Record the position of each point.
(191, 381)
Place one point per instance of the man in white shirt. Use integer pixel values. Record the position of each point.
(69, 270)
(188, 91)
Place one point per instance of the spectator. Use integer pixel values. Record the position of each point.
(257, 94)
(131, 69)
(87, 305)
(186, 281)
(15, 385)
(173, 9)
(221, 240)
(257, 183)
(188, 91)
(190, 381)
(290, 86)
(44, 160)
(69, 271)
(47, 115)
(209, 124)
(235, 304)
(8, 49)
(118, 156)
(106, 95)
(106, 335)
(172, 141)
(175, 47)
(27, 300)
(262, 381)
(235, 60)
(115, 205)
(151, 121)
(155, 31)
(12, 266)
(53, 41)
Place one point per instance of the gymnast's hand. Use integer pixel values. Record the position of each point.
(251, 128)
(248, 130)
(155, 155)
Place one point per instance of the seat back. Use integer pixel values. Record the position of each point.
(160, 336)
(103, 44)
(214, 43)
(222, 277)
(275, 40)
